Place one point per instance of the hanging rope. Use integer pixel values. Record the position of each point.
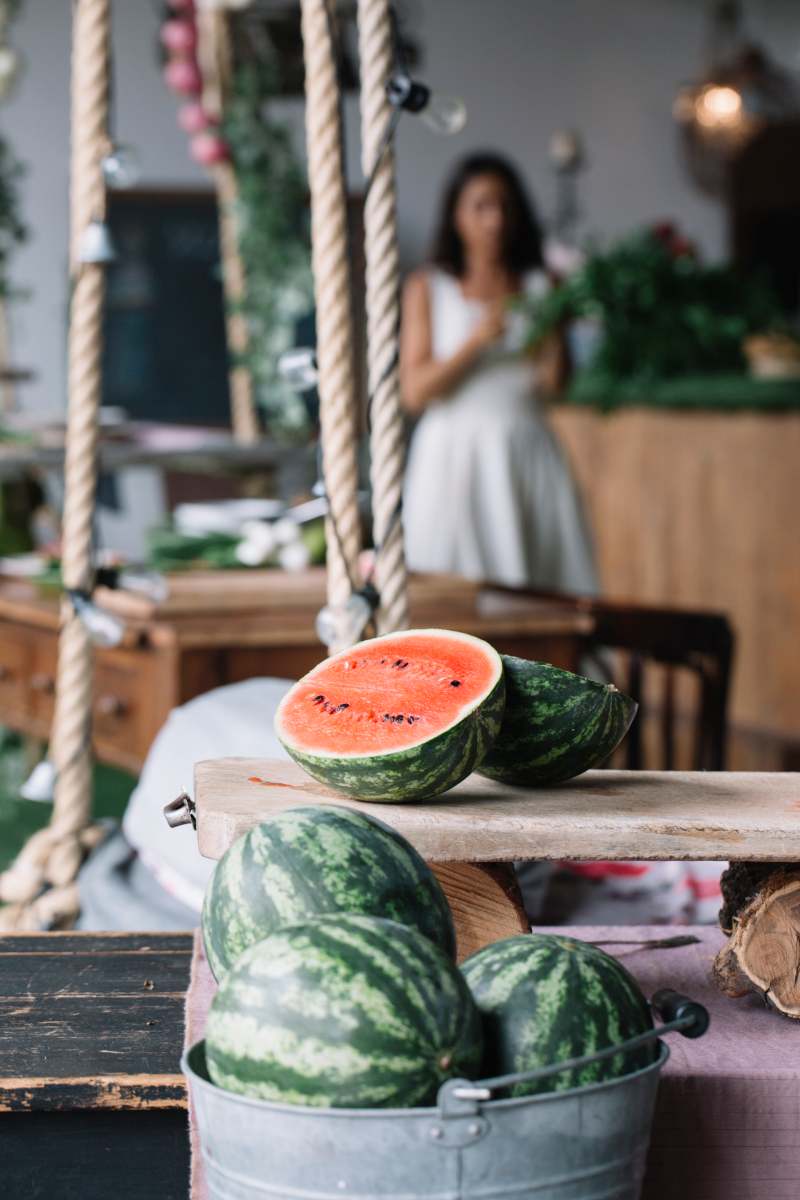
(214, 54)
(336, 382)
(54, 855)
(387, 446)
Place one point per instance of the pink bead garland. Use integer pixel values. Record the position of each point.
(182, 75)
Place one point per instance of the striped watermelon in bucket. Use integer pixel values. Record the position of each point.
(311, 861)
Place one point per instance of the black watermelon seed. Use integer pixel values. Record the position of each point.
(318, 699)
(455, 683)
(341, 707)
(399, 718)
(387, 716)
(411, 720)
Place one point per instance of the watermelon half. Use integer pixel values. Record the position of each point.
(309, 861)
(556, 725)
(545, 998)
(343, 1012)
(399, 717)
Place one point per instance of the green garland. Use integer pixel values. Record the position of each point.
(272, 219)
(12, 229)
(662, 313)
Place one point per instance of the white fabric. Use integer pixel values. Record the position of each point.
(232, 721)
(488, 493)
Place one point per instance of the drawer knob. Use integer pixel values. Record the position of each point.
(40, 682)
(110, 706)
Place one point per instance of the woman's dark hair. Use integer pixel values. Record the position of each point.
(523, 243)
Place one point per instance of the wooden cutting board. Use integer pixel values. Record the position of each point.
(600, 815)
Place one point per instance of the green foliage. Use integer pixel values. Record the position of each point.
(12, 230)
(272, 218)
(663, 313)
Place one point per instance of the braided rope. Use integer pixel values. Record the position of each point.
(387, 443)
(333, 307)
(54, 855)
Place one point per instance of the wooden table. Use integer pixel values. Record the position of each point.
(92, 1101)
(219, 627)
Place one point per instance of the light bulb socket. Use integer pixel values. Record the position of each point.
(95, 244)
(103, 628)
(407, 93)
(298, 367)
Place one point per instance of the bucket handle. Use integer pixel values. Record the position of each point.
(678, 1014)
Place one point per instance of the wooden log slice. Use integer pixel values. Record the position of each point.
(485, 901)
(762, 915)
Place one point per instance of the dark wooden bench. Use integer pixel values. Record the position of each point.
(92, 1101)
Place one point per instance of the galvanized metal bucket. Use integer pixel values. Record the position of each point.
(589, 1143)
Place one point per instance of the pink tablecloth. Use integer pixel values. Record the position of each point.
(727, 1123)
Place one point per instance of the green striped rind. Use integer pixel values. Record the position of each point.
(556, 725)
(306, 862)
(419, 772)
(343, 1012)
(546, 998)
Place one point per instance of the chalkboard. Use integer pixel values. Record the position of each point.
(165, 356)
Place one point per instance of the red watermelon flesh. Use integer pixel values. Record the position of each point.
(416, 708)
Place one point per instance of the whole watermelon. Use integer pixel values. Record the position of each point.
(343, 1012)
(545, 998)
(308, 861)
(556, 725)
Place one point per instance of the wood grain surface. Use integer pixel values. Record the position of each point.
(92, 1021)
(485, 902)
(600, 815)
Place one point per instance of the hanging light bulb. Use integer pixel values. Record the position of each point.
(442, 114)
(718, 105)
(298, 367)
(95, 244)
(445, 114)
(9, 70)
(121, 168)
(41, 783)
(103, 627)
(144, 582)
(344, 623)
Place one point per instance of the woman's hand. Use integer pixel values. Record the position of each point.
(492, 325)
(423, 378)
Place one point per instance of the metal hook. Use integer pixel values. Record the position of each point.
(181, 811)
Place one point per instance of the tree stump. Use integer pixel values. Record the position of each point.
(761, 915)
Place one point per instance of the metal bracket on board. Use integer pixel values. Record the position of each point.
(181, 811)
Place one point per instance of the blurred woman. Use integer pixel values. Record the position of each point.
(488, 493)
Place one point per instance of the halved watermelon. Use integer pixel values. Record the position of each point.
(399, 717)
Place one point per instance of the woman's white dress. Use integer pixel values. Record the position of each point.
(488, 493)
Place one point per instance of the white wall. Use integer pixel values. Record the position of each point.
(609, 68)
(37, 123)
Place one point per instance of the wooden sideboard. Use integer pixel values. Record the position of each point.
(222, 627)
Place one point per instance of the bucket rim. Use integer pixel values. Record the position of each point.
(198, 1081)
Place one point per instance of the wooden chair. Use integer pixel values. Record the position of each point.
(701, 643)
